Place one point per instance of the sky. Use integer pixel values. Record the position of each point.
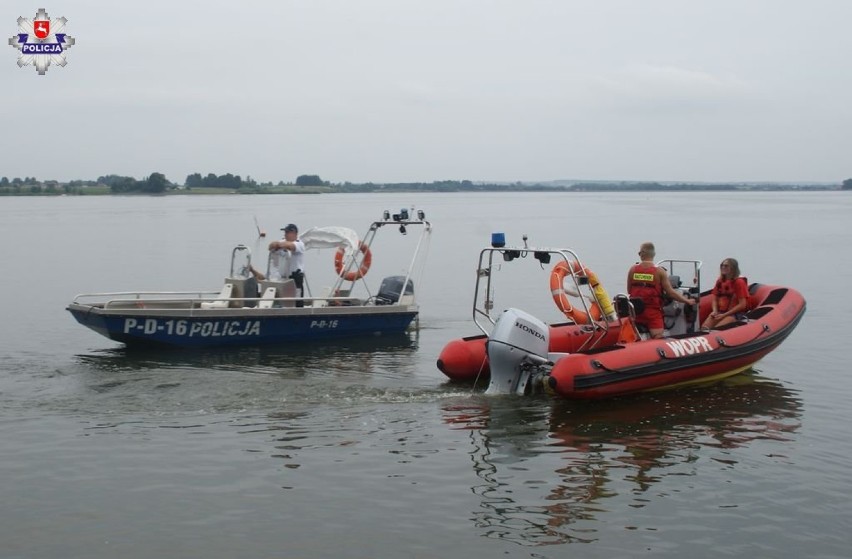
(425, 90)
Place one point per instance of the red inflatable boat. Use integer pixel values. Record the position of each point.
(517, 353)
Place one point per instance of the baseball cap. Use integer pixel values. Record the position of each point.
(290, 227)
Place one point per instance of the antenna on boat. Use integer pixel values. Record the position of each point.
(260, 233)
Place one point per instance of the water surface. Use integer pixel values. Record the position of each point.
(362, 449)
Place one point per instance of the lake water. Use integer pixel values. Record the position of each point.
(361, 449)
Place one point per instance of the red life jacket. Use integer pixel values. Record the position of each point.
(726, 293)
(645, 286)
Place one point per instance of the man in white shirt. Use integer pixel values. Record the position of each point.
(295, 251)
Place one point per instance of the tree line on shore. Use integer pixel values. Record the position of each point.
(157, 183)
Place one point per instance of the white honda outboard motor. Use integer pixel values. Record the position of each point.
(517, 344)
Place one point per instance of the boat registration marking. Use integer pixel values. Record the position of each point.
(323, 324)
(189, 329)
(689, 346)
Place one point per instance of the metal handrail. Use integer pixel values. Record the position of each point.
(511, 253)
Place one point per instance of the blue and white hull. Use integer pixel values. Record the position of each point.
(251, 326)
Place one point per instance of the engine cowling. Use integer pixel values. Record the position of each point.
(517, 342)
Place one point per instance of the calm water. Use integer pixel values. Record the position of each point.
(361, 449)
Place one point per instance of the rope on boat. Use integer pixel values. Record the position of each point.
(765, 329)
(481, 368)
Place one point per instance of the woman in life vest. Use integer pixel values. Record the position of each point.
(647, 281)
(730, 296)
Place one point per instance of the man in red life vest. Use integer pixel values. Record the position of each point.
(647, 281)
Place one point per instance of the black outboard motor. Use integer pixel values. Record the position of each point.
(391, 288)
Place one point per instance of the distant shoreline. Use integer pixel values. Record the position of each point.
(53, 188)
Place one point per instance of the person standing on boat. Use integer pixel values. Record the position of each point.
(294, 249)
(730, 296)
(648, 282)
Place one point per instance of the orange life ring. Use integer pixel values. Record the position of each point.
(362, 270)
(557, 289)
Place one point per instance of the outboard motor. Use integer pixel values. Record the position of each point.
(390, 291)
(518, 343)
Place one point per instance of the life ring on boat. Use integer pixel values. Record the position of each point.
(602, 306)
(362, 270)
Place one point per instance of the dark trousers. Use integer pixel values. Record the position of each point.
(298, 278)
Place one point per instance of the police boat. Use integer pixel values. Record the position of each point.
(248, 311)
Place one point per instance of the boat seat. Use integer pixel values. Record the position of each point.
(222, 299)
(627, 307)
(267, 299)
(283, 288)
(243, 288)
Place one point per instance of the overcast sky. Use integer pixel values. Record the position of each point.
(423, 90)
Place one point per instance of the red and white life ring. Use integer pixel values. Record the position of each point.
(362, 270)
(560, 297)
